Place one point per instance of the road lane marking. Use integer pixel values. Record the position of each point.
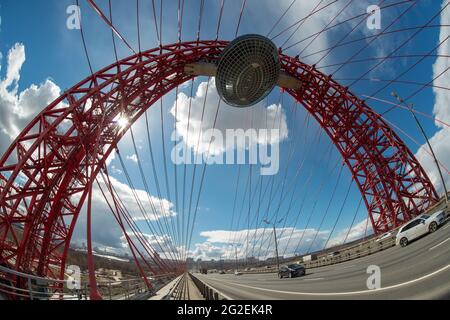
(440, 243)
(347, 293)
(313, 279)
(343, 268)
(446, 227)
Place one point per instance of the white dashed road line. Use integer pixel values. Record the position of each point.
(440, 243)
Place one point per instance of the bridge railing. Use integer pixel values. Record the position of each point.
(31, 287)
(208, 292)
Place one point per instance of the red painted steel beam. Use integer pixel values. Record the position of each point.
(45, 176)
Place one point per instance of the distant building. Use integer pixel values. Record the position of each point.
(108, 273)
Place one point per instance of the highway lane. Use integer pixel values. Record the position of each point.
(419, 271)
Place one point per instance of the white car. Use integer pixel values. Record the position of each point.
(418, 227)
(384, 236)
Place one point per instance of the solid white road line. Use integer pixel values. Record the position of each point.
(432, 248)
(351, 292)
(313, 279)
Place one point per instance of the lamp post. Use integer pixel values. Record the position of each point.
(410, 108)
(236, 258)
(276, 242)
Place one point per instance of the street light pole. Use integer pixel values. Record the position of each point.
(236, 259)
(276, 241)
(410, 108)
(276, 247)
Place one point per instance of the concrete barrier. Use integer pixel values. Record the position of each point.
(209, 293)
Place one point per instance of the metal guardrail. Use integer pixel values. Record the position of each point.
(175, 290)
(207, 292)
(19, 285)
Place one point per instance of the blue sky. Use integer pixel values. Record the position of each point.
(55, 53)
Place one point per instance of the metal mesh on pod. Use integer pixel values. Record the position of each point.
(247, 71)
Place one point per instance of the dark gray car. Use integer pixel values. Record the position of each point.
(292, 271)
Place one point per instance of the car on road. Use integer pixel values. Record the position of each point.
(384, 236)
(292, 271)
(237, 273)
(221, 272)
(418, 227)
(440, 216)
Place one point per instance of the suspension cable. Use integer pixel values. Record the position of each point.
(396, 105)
(339, 214)
(341, 23)
(301, 24)
(166, 216)
(156, 23)
(416, 142)
(327, 25)
(347, 34)
(141, 206)
(353, 221)
(114, 29)
(196, 155)
(132, 224)
(138, 25)
(327, 208)
(84, 41)
(401, 45)
(116, 211)
(423, 55)
(319, 191)
(422, 58)
(280, 18)
(203, 177)
(302, 19)
(240, 17)
(278, 114)
(220, 19)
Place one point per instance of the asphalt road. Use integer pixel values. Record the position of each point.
(419, 271)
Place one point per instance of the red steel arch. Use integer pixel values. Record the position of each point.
(45, 173)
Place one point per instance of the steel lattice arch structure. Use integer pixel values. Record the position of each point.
(47, 172)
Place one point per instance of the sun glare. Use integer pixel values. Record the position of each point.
(122, 122)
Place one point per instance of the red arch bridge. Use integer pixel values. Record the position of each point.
(47, 173)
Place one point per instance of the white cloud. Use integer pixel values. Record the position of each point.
(18, 108)
(221, 244)
(323, 14)
(163, 207)
(163, 245)
(133, 158)
(440, 141)
(357, 232)
(107, 232)
(193, 131)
